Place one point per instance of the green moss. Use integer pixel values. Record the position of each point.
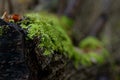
(92, 51)
(52, 38)
(90, 42)
(50, 33)
(67, 23)
(92, 57)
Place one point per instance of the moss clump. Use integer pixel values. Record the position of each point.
(93, 51)
(52, 38)
(90, 42)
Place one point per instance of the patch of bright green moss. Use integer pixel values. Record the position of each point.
(50, 33)
(52, 38)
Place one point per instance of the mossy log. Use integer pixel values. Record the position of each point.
(35, 50)
(22, 59)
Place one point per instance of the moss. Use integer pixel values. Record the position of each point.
(92, 51)
(50, 33)
(90, 42)
(52, 38)
(67, 23)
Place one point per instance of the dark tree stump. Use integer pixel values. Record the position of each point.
(20, 59)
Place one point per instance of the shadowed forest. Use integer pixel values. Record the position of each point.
(59, 39)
